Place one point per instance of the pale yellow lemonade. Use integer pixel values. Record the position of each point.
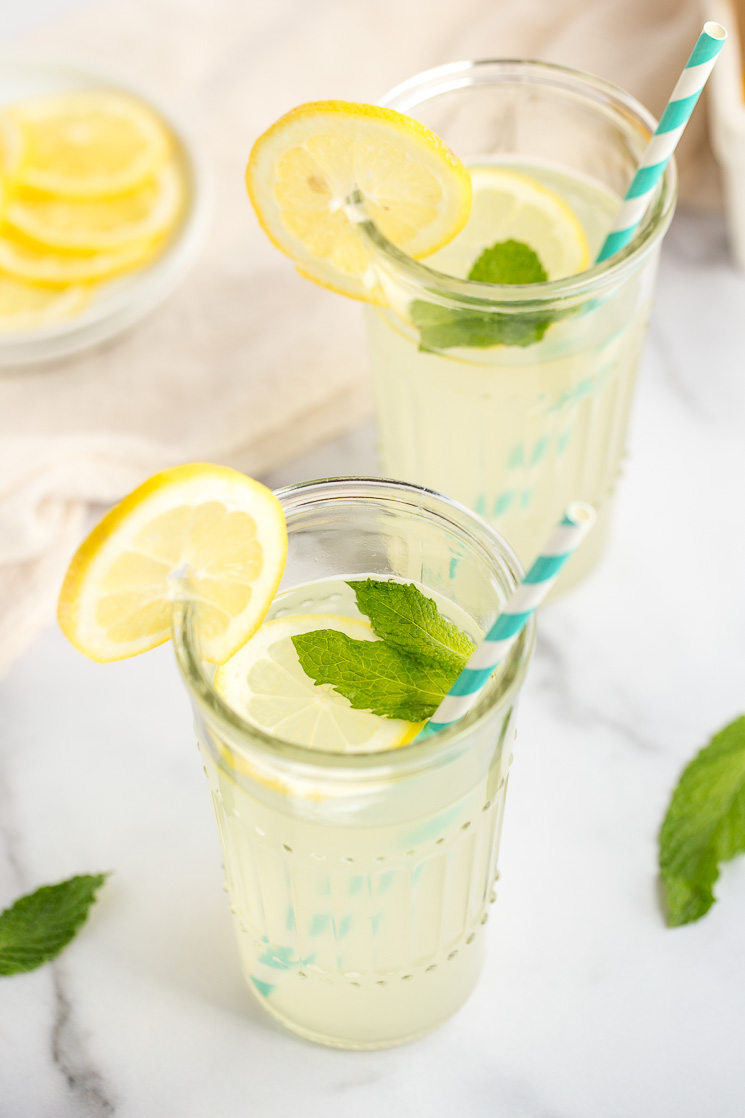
(359, 916)
(316, 630)
(514, 431)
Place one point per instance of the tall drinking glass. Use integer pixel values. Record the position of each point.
(360, 882)
(515, 399)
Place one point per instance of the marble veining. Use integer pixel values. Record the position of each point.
(555, 678)
(87, 1089)
(10, 839)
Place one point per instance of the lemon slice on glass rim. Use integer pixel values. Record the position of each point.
(200, 531)
(264, 683)
(304, 173)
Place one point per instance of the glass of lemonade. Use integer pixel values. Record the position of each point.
(360, 881)
(514, 399)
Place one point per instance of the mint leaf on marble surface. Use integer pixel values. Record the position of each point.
(704, 825)
(510, 262)
(406, 673)
(36, 927)
(406, 618)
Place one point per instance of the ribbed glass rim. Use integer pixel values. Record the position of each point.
(610, 99)
(499, 693)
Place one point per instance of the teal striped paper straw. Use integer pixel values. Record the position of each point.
(563, 541)
(665, 140)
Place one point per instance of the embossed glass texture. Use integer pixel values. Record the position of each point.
(360, 884)
(516, 431)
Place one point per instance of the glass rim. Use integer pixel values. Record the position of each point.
(461, 75)
(497, 694)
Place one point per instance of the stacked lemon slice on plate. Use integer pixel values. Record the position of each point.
(90, 187)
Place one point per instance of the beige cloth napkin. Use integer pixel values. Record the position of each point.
(246, 363)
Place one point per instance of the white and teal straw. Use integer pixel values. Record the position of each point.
(563, 541)
(665, 140)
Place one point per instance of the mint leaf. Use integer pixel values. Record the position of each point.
(406, 673)
(704, 825)
(37, 927)
(508, 262)
(404, 617)
(505, 262)
(445, 328)
(373, 675)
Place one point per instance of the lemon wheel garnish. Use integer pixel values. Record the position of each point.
(265, 683)
(207, 530)
(305, 168)
(100, 225)
(27, 306)
(89, 145)
(511, 205)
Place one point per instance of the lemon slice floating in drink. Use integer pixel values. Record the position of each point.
(199, 531)
(265, 683)
(510, 205)
(304, 170)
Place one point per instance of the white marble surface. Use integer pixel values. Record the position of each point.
(589, 1006)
